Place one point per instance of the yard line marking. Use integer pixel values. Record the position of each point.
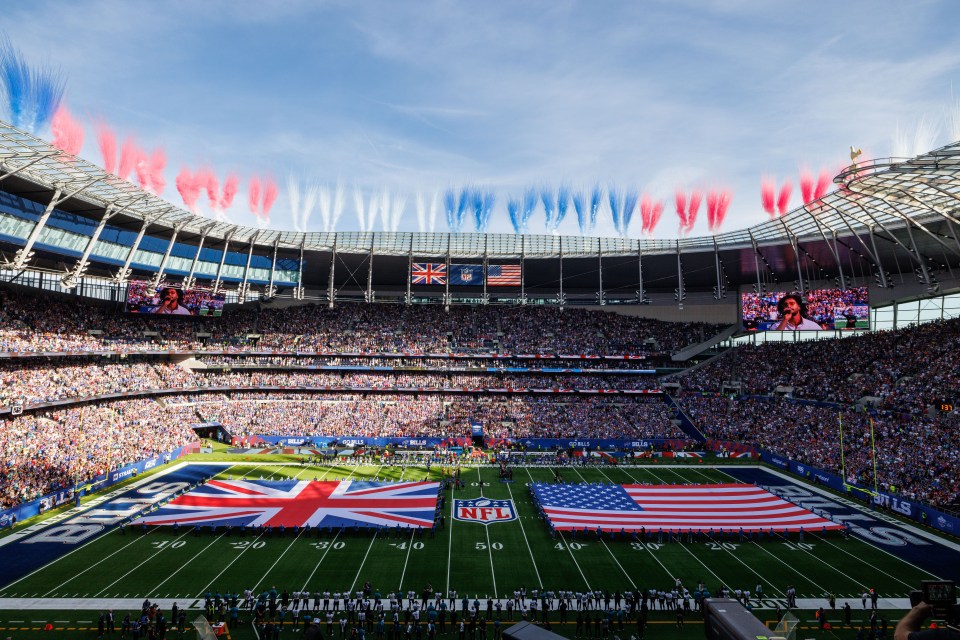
(527, 541)
(860, 558)
(618, 563)
(493, 574)
(787, 564)
(146, 560)
(749, 568)
(364, 561)
(453, 489)
(215, 577)
(409, 549)
(275, 562)
(572, 557)
(329, 546)
(93, 565)
(702, 563)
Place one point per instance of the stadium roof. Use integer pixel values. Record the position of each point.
(892, 214)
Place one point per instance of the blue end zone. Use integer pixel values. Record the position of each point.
(29, 553)
(880, 530)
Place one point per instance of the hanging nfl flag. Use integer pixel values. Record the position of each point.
(503, 275)
(466, 274)
(428, 273)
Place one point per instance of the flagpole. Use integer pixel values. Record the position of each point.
(873, 453)
(843, 468)
(76, 476)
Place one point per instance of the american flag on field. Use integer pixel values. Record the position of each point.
(428, 273)
(292, 503)
(614, 507)
(503, 275)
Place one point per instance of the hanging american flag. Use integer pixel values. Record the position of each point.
(428, 273)
(614, 507)
(503, 275)
(292, 503)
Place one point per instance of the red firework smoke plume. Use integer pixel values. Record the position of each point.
(680, 203)
(107, 141)
(189, 188)
(67, 132)
(768, 190)
(806, 187)
(253, 195)
(230, 188)
(129, 154)
(269, 197)
(783, 201)
(158, 162)
(823, 184)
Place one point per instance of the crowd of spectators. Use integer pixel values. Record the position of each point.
(28, 383)
(916, 455)
(44, 452)
(398, 416)
(907, 369)
(60, 323)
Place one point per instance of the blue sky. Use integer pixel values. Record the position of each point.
(400, 97)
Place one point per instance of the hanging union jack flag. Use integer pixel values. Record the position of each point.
(612, 507)
(292, 503)
(428, 273)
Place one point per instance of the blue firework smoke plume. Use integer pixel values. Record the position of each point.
(450, 208)
(462, 206)
(489, 199)
(33, 93)
(615, 203)
(580, 205)
(563, 201)
(629, 207)
(549, 206)
(596, 197)
(476, 204)
(530, 200)
(513, 210)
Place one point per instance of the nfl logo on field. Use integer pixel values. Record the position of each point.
(484, 510)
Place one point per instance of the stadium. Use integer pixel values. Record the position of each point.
(418, 434)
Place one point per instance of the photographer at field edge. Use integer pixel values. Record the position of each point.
(909, 626)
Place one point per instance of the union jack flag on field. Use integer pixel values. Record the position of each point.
(630, 507)
(428, 273)
(292, 503)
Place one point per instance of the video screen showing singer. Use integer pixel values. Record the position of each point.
(792, 312)
(171, 303)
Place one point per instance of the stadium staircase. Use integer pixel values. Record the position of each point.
(683, 421)
(696, 349)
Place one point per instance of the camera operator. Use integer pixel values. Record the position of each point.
(909, 626)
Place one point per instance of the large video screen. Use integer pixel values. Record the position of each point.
(172, 300)
(817, 310)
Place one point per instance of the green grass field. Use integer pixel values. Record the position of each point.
(473, 559)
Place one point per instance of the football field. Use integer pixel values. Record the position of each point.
(120, 569)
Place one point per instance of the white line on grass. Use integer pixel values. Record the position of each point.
(216, 577)
(702, 563)
(788, 565)
(493, 574)
(405, 562)
(575, 563)
(453, 489)
(860, 558)
(618, 563)
(145, 561)
(364, 561)
(330, 546)
(275, 562)
(90, 567)
(527, 541)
